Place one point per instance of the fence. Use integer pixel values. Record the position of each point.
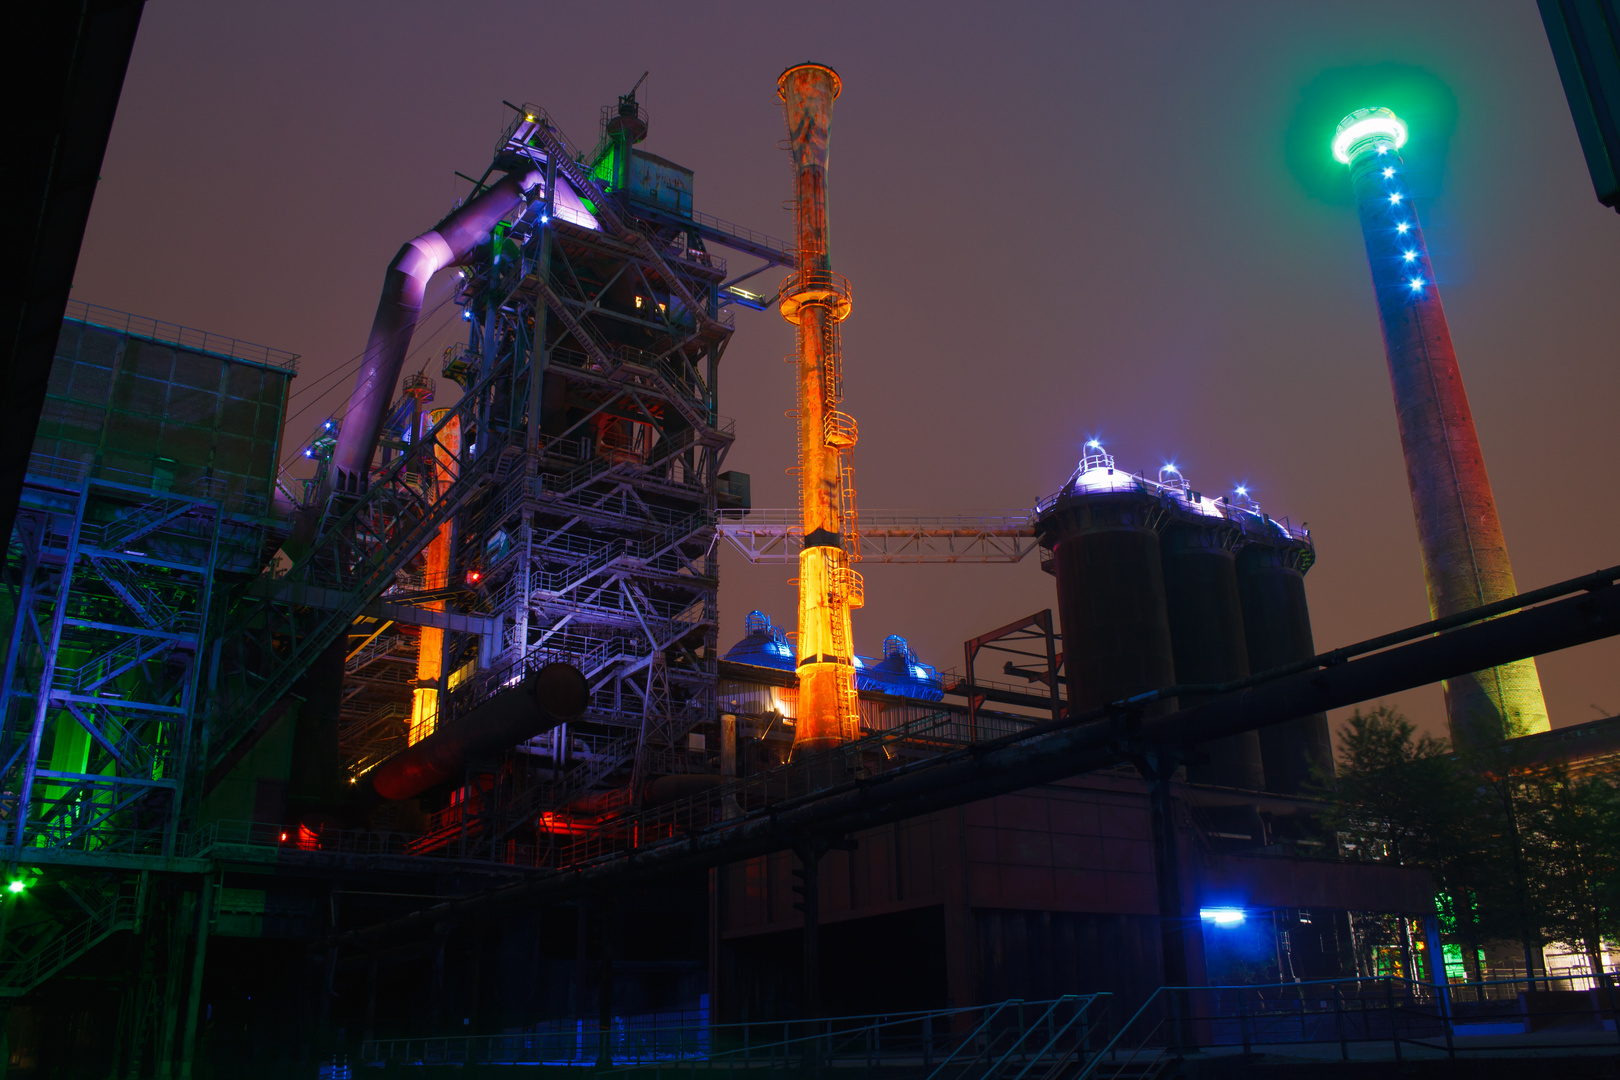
(1379, 1017)
(1009, 1037)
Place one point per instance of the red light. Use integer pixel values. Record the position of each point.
(283, 838)
(473, 577)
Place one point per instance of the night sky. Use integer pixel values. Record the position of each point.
(1060, 220)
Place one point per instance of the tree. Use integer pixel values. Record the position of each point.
(1510, 870)
(1579, 825)
(1390, 790)
(1400, 797)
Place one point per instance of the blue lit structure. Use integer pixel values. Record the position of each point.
(899, 673)
(766, 644)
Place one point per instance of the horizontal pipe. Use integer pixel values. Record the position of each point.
(1073, 746)
(552, 695)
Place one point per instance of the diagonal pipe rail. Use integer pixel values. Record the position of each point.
(1095, 739)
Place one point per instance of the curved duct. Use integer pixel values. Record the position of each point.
(553, 694)
(452, 242)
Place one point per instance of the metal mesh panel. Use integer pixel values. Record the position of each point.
(150, 412)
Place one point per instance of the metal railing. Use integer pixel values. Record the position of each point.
(1384, 1017)
(1014, 1038)
(120, 912)
(184, 336)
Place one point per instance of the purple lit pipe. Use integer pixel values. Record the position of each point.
(451, 242)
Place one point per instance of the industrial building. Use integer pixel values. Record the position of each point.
(447, 735)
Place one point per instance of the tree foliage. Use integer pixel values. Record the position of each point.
(1521, 850)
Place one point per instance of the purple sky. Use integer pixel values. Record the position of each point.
(1059, 220)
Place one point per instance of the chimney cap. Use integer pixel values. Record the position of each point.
(1365, 129)
(781, 80)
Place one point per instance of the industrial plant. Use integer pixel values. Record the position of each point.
(416, 736)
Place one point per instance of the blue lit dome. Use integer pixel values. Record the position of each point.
(900, 673)
(764, 646)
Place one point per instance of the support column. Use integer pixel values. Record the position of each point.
(369, 1032)
(205, 912)
(809, 888)
(1157, 766)
(171, 983)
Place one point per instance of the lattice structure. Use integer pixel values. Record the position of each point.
(148, 492)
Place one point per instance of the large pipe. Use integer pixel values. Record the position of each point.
(1465, 558)
(452, 242)
(552, 695)
(1079, 745)
(816, 300)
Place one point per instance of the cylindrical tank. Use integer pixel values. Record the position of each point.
(1116, 637)
(1277, 629)
(1206, 634)
(554, 693)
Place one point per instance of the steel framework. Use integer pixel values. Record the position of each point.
(890, 536)
(596, 327)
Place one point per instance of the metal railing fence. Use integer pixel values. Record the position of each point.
(1012, 1038)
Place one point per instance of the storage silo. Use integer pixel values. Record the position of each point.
(1271, 570)
(1101, 533)
(1205, 616)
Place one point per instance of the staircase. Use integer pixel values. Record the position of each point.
(120, 911)
(361, 545)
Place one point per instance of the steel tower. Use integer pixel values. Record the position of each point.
(1465, 558)
(815, 300)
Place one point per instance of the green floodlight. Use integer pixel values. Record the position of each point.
(17, 886)
(1365, 129)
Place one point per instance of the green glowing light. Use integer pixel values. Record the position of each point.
(17, 886)
(1365, 129)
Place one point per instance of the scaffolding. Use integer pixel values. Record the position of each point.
(149, 490)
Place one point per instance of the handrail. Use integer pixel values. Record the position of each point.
(973, 1036)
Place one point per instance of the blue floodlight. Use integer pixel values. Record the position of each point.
(1402, 227)
(1222, 916)
(1417, 284)
(1409, 256)
(1395, 198)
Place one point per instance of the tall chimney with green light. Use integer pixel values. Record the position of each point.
(1465, 559)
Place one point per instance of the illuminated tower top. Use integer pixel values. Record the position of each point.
(1378, 130)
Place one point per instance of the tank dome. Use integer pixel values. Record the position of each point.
(900, 673)
(764, 645)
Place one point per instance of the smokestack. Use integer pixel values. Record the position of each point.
(1465, 558)
(815, 300)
